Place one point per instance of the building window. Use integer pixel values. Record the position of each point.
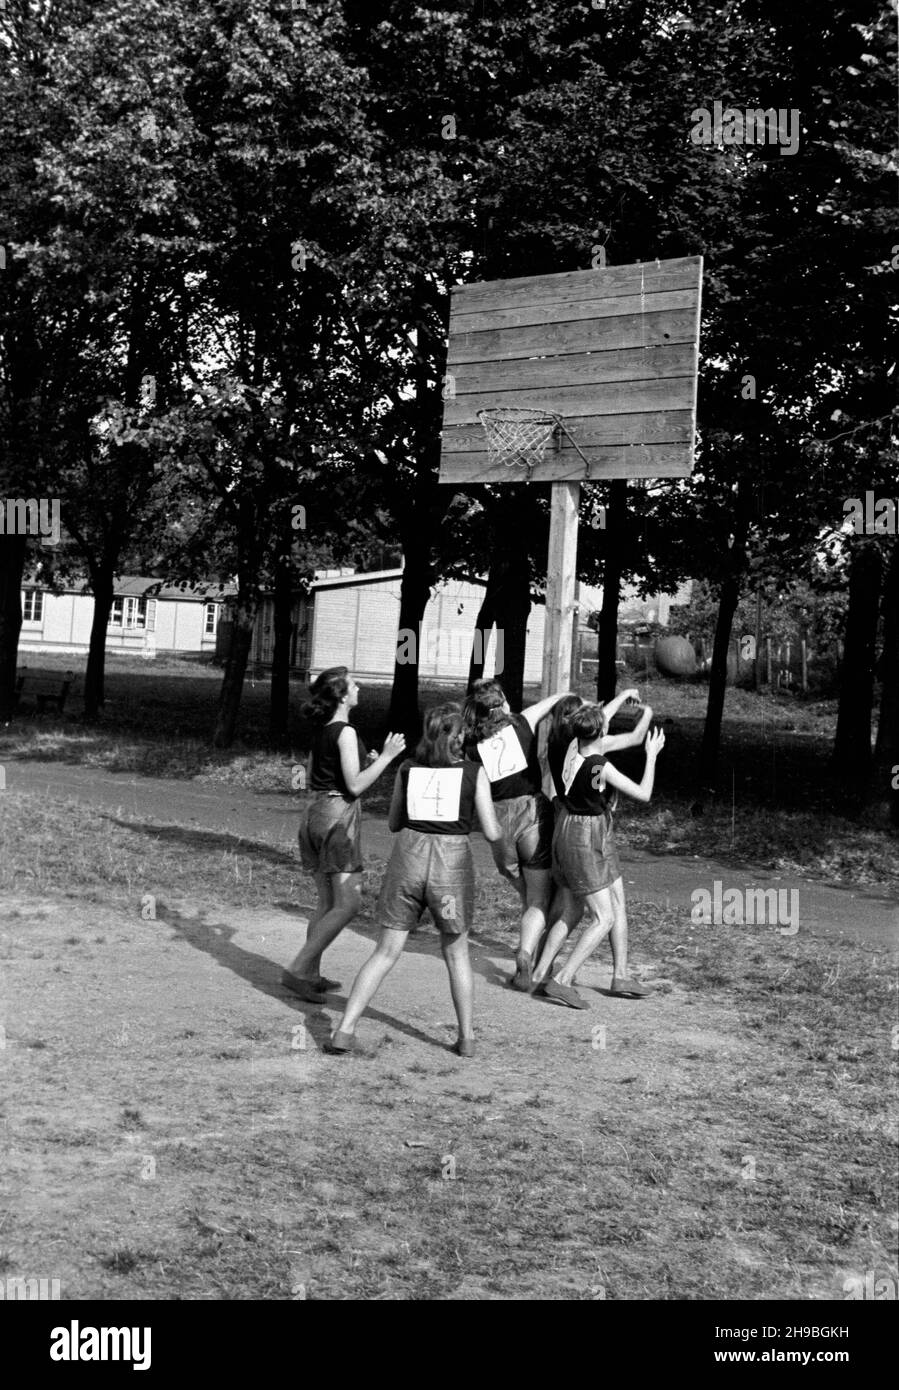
(211, 619)
(136, 612)
(128, 613)
(32, 605)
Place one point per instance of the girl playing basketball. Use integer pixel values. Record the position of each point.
(585, 857)
(331, 830)
(436, 796)
(566, 909)
(506, 746)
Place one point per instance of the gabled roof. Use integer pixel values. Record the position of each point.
(324, 580)
(149, 586)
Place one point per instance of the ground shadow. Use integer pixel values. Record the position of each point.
(216, 940)
(424, 942)
(192, 838)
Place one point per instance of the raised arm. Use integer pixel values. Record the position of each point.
(612, 742)
(534, 713)
(358, 781)
(640, 791)
(611, 707)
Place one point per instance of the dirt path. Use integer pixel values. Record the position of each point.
(173, 1128)
(178, 1132)
(868, 915)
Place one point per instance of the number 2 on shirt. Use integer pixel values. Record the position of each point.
(503, 754)
(434, 793)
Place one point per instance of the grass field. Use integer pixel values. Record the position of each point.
(777, 807)
(167, 1137)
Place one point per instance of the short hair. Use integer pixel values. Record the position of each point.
(440, 744)
(587, 723)
(326, 691)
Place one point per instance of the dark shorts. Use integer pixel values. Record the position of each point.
(585, 856)
(331, 835)
(433, 871)
(527, 823)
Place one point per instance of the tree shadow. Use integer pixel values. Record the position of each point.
(421, 942)
(425, 941)
(216, 940)
(197, 839)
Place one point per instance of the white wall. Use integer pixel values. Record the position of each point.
(356, 625)
(65, 627)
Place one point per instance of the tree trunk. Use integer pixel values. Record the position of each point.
(852, 745)
(886, 749)
(103, 585)
(283, 626)
(12, 567)
(415, 590)
(513, 609)
(235, 669)
(728, 599)
(607, 647)
(482, 630)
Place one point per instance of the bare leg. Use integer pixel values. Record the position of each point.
(619, 930)
(371, 977)
(597, 925)
(325, 904)
(565, 914)
(455, 953)
(538, 887)
(347, 893)
(325, 900)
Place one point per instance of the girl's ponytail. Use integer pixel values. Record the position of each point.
(483, 710)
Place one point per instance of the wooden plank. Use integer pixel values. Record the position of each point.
(575, 369)
(624, 461)
(588, 334)
(650, 277)
(569, 312)
(659, 427)
(615, 398)
(561, 572)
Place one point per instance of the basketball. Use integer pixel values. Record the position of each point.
(675, 656)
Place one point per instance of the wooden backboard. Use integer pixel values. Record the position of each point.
(614, 351)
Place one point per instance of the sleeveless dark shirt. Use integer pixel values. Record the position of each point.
(526, 782)
(556, 748)
(583, 797)
(327, 773)
(439, 792)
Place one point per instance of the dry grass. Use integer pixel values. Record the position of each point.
(731, 1139)
(776, 806)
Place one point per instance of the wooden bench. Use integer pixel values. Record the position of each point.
(44, 690)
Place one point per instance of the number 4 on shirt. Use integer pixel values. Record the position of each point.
(434, 793)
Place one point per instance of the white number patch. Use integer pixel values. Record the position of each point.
(434, 793)
(502, 754)
(571, 766)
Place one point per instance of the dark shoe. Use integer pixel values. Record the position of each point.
(326, 985)
(563, 994)
(522, 980)
(340, 1042)
(304, 989)
(464, 1047)
(629, 989)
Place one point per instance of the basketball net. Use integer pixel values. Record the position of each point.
(518, 437)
